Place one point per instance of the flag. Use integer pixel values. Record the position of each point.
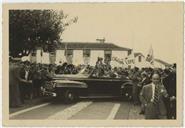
(150, 56)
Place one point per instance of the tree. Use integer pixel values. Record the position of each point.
(29, 29)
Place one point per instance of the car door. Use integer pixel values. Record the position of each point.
(99, 86)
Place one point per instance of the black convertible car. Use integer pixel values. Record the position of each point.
(87, 84)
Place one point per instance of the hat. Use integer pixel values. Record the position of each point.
(144, 73)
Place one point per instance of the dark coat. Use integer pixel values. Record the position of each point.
(23, 72)
(146, 81)
(170, 84)
(135, 88)
(14, 81)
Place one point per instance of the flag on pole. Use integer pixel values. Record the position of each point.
(150, 56)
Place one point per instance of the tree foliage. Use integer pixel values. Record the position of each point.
(29, 29)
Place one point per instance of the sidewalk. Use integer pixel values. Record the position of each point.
(134, 112)
(30, 103)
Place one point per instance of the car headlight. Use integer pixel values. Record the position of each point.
(41, 88)
(123, 86)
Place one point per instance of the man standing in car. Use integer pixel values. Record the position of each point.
(99, 67)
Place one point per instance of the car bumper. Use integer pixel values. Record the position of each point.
(48, 93)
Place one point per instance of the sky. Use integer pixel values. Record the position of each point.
(137, 26)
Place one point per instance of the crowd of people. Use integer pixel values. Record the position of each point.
(145, 83)
(25, 80)
(165, 107)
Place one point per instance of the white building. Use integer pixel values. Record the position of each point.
(81, 53)
(140, 62)
(87, 53)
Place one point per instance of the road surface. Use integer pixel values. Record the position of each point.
(101, 109)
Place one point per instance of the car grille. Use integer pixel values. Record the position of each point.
(49, 85)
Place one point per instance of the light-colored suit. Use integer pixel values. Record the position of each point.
(153, 111)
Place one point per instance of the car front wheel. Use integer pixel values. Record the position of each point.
(127, 93)
(70, 96)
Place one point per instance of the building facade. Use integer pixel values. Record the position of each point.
(86, 53)
(80, 53)
(140, 60)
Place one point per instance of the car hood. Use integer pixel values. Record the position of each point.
(69, 76)
(82, 77)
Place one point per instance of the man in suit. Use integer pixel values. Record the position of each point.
(152, 96)
(170, 83)
(26, 85)
(144, 81)
(135, 77)
(14, 84)
(14, 92)
(36, 80)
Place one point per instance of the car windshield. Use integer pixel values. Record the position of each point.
(86, 70)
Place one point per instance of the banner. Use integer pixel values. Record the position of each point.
(130, 60)
(120, 61)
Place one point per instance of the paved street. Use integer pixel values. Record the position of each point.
(101, 109)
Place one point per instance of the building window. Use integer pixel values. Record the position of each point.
(107, 55)
(129, 52)
(52, 57)
(86, 56)
(86, 53)
(69, 56)
(69, 52)
(139, 58)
